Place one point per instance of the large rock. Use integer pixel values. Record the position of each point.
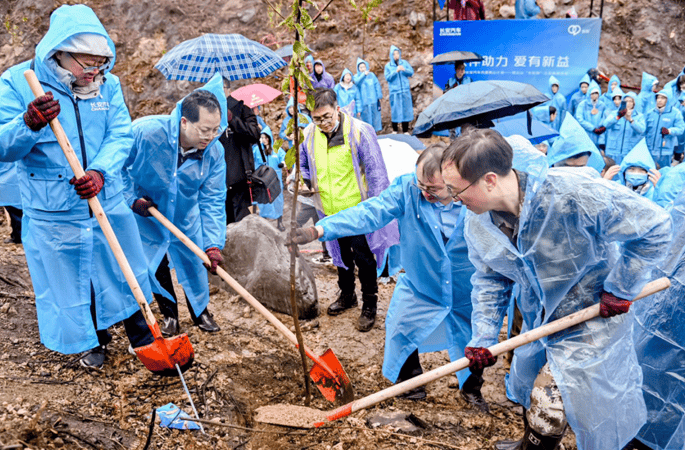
(507, 11)
(256, 256)
(548, 7)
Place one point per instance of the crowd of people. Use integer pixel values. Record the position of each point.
(484, 228)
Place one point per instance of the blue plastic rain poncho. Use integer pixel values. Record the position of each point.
(566, 253)
(325, 80)
(590, 115)
(9, 185)
(622, 135)
(660, 345)
(310, 59)
(639, 183)
(370, 95)
(558, 101)
(272, 210)
(669, 186)
(572, 141)
(430, 307)
(453, 82)
(288, 117)
(526, 9)
(646, 99)
(348, 94)
(66, 250)
(578, 96)
(401, 105)
(608, 96)
(191, 196)
(662, 147)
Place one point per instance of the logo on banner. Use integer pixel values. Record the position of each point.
(456, 31)
(574, 30)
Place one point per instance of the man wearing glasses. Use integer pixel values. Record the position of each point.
(430, 309)
(79, 288)
(569, 240)
(177, 165)
(342, 163)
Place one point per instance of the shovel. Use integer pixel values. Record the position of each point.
(164, 356)
(302, 417)
(327, 373)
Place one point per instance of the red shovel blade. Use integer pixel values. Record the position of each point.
(162, 355)
(334, 389)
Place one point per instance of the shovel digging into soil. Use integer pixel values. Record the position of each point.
(164, 356)
(302, 417)
(327, 373)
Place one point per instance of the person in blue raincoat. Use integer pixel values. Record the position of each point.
(664, 125)
(430, 308)
(347, 93)
(276, 160)
(660, 345)
(671, 184)
(624, 127)
(646, 99)
(397, 74)
(176, 163)
(289, 112)
(78, 284)
(638, 171)
(557, 100)
(573, 148)
(590, 114)
(579, 95)
(309, 64)
(370, 95)
(526, 9)
(608, 96)
(10, 199)
(321, 78)
(459, 77)
(568, 240)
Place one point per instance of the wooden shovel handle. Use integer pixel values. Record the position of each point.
(95, 206)
(526, 338)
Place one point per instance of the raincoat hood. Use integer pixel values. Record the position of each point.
(648, 81)
(631, 95)
(665, 93)
(572, 141)
(585, 79)
(594, 88)
(541, 113)
(346, 71)
(268, 132)
(617, 92)
(392, 50)
(639, 156)
(309, 58)
(614, 78)
(65, 23)
(318, 61)
(552, 81)
(361, 61)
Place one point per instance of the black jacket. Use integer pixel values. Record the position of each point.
(241, 134)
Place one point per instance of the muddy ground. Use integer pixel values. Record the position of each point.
(48, 400)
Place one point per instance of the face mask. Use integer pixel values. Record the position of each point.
(635, 179)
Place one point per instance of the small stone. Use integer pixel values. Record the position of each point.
(45, 374)
(12, 311)
(4, 308)
(507, 11)
(548, 7)
(58, 441)
(453, 383)
(413, 19)
(22, 412)
(210, 346)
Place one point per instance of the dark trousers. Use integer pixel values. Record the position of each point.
(396, 126)
(166, 306)
(138, 332)
(411, 367)
(15, 223)
(355, 250)
(237, 202)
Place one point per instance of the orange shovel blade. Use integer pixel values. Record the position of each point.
(336, 388)
(162, 356)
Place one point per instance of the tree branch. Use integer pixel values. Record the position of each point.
(274, 8)
(321, 11)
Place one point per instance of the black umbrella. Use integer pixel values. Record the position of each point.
(477, 102)
(456, 55)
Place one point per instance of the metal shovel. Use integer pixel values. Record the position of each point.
(303, 417)
(327, 373)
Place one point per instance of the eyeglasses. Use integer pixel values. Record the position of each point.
(205, 132)
(454, 196)
(85, 68)
(326, 118)
(429, 190)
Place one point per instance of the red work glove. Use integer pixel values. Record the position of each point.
(610, 305)
(89, 185)
(41, 111)
(479, 357)
(665, 131)
(141, 206)
(214, 255)
(622, 113)
(304, 235)
(599, 130)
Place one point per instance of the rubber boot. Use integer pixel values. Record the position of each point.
(279, 224)
(368, 315)
(344, 302)
(470, 391)
(169, 326)
(531, 440)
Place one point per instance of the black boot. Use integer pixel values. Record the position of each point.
(531, 440)
(470, 391)
(368, 316)
(279, 224)
(410, 369)
(94, 358)
(169, 310)
(344, 302)
(205, 322)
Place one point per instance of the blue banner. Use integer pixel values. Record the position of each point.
(529, 51)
